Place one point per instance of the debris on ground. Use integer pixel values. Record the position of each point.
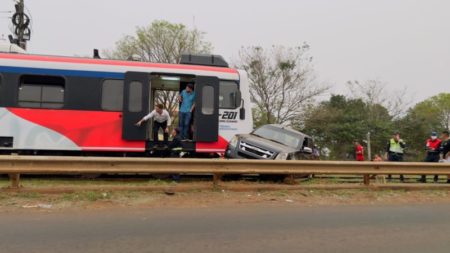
(169, 192)
(43, 206)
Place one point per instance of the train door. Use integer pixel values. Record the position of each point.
(136, 105)
(206, 117)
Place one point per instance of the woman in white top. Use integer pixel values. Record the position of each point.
(161, 119)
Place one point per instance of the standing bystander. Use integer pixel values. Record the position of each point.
(359, 151)
(433, 145)
(445, 149)
(395, 150)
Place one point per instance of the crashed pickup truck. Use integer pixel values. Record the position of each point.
(272, 142)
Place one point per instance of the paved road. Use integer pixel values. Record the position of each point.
(241, 229)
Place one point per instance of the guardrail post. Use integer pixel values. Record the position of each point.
(217, 177)
(367, 180)
(15, 180)
(290, 179)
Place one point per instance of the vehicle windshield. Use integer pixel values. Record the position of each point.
(279, 135)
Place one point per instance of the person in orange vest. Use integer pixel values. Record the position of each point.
(433, 145)
(359, 151)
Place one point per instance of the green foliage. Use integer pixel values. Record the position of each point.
(340, 120)
(260, 117)
(435, 110)
(162, 42)
(430, 115)
(336, 123)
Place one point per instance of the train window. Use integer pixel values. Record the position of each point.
(52, 96)
(135, 97)
(112, 95)
(227, 95)
(41, 91)
(30, 96)
(208, 100)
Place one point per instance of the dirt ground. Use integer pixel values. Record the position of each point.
(89, 195)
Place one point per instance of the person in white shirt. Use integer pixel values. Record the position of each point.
(161, 119)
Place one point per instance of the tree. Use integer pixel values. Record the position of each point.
(432, 114)
(282, 82)
(336, 123)
(374, 92)
(161, 42)
(436, 110)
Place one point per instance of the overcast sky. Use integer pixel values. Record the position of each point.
(402, 42)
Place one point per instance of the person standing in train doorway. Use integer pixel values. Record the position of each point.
(187, 100)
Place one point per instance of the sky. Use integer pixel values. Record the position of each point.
(404, 43)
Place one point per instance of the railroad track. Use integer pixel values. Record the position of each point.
(44, 165)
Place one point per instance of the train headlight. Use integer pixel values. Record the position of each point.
(234, 141)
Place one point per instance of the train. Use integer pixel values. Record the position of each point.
(59, 104)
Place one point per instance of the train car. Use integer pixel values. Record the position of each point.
(52, 104)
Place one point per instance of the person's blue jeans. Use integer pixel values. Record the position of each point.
(185, 120)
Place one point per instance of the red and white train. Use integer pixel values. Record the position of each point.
(63, 104)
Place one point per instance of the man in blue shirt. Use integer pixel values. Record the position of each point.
(187, 100)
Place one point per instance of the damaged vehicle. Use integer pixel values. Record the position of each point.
(272, 142)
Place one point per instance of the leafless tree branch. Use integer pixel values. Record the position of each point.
(282, 81)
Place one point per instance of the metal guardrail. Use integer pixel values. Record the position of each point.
(17, 165)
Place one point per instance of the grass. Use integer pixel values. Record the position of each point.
(79, 182)
(83, 196)
(4, 182)
(29, 195)
(57, 182)
(281, 193)
(99, 197)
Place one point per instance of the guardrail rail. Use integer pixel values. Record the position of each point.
(44, 165)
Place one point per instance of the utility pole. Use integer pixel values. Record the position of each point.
(20, 9)
(369, 147)
(21, 23)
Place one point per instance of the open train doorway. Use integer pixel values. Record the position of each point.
(204, 124)
(165, 91)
